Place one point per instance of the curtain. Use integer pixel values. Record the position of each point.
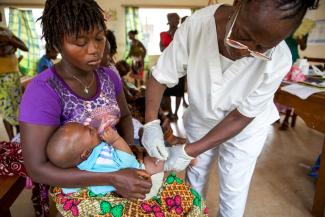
(193, 10)
(22, 24)
(132, 22)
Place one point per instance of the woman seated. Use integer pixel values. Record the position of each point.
(78, 89)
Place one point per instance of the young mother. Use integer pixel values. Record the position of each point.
(75, 90)
(235, 59)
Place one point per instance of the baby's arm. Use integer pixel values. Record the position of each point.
(112, 137)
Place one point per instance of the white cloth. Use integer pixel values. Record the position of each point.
(236, 163)
(248, 85)
(301, 91)
(157, 182)
(136, 128)
(225, 63)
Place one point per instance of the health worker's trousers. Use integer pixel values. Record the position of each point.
(236, 160)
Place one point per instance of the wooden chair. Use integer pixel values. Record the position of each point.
(10, 188)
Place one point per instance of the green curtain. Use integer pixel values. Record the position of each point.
(194, 9)
(132, 22)
(22, 24)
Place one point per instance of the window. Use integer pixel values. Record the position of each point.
(154, 21)
(37, 13)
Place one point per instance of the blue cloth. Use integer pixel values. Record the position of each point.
(43, 64)
(121, 160)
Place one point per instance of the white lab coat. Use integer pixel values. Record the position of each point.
(248, 85)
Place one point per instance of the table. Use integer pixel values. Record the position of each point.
(312, 111)
(10, 188)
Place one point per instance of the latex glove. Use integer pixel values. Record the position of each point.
(178, 159)
(153, 140)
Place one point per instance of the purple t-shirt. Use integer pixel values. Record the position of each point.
(48, 100)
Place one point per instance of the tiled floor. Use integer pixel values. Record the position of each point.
(280, 187)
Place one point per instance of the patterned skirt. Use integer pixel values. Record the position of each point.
(11, 164)
(174, 199)
(10, 94)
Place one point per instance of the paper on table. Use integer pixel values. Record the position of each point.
(301, 91)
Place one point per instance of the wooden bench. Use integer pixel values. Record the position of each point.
(10, 188)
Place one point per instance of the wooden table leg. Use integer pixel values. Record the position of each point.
(5, 212)
(319, 200)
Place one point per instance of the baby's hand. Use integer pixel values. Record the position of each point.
(110, 135)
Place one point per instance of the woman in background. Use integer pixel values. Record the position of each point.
(177, 91)
(10, 87)
(137, 53)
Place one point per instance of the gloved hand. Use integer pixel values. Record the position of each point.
(153, 140)
(178, 159)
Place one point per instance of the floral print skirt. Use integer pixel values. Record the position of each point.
(10, 94)
(175, 198)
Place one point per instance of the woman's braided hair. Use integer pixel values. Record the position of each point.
(69, 17)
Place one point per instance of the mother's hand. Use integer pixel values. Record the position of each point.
(132, 184)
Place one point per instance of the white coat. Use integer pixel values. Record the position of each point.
(248, 85)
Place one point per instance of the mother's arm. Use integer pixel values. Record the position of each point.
(34, 139)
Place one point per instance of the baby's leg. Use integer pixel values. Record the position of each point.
(152, 165)
(156, 172)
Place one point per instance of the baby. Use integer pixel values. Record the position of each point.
(74, 144)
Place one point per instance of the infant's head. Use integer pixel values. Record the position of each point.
(71, 144)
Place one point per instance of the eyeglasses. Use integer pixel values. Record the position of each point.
(238, 45)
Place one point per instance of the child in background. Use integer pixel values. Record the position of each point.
(47, 59)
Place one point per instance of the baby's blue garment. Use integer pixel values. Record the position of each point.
(121, 160)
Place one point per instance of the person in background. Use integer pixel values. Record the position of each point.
(235, 59)
(167, 37)
(10, 87)
(177, 91)
(108, 59)
(137, 53)
(47, 59)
